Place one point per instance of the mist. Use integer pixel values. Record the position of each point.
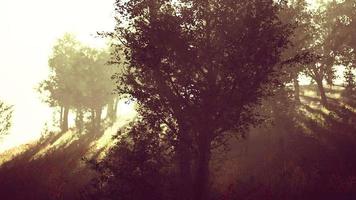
(177, 100)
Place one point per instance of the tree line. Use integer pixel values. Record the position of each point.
(199, 71)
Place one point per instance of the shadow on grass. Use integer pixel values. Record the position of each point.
(53, 168)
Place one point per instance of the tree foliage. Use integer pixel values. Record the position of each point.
(139, 166)
(200, 68)
(80, 79)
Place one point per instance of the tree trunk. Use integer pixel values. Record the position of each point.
(65, 119)
(98, 112)
(323, 98)
(110, 112)
(202, 189)
(116, 103)
(92, 111)
(79, 120)
(296, 90)
(184, 155)
(61, 118)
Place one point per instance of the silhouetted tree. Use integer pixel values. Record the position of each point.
(138, 167)
(200, 68)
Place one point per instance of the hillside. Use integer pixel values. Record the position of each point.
(53, 167)
(293, 154)
(308, 153)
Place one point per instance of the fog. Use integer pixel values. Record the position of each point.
(177, 99)
(28, 30)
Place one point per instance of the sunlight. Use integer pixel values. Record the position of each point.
(202, 100)
(126, 109)
(27, 33)
(63, 141)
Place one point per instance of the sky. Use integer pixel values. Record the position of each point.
(28, 30)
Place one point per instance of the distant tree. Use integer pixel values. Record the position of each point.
(350, 82)
(323, 68)
(199, 68)
(80, 80)
(5, 118)
(112, 108)
(342, 16)
(98, 86)
(296, 12)
(58, 89)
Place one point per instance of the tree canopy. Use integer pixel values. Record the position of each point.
(200, 68)
(80, 79)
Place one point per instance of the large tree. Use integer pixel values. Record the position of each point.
(200, 68)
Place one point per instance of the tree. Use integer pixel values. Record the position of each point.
(200, 68)
(333, 42)
(349, 80)
(59, 87)
(296, 12)
(79, 80)
(5, 118)
(97, 87)
(138, 167)
(323, 68)
(343, 17)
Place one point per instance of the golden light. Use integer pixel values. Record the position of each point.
(28, 30)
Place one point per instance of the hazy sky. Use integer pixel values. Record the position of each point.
(28, 30)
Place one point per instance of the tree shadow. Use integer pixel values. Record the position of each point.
(48, 170)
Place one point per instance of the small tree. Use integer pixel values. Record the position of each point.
(138, 167)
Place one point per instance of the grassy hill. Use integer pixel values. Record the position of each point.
(53, 167)
(306, 148)
(307, 153)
